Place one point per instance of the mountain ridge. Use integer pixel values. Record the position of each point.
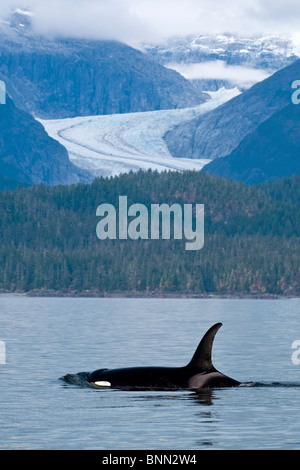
(28, 155)
(64, 77)
(233, 52)
(263, 153)
(219, 132)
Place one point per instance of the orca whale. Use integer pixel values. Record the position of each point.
(197, 374)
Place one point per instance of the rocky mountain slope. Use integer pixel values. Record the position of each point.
(28, 155)
(233, 52)
(269, 152)
(219, 132)
(58, 78)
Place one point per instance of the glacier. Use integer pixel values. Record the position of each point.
(108, 145)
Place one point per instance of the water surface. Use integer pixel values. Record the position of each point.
(47, 338)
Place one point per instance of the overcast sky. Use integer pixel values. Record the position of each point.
(134, 21)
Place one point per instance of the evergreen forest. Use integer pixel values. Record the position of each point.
(49, 245)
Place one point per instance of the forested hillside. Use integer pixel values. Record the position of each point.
(48, 241)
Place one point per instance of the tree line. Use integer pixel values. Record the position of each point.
(48, 241)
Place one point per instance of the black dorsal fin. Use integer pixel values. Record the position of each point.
(202, 357)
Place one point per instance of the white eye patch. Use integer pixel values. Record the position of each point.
(103, 383)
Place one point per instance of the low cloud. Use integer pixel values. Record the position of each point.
(135, 21)
(219, 70)
(97, 19)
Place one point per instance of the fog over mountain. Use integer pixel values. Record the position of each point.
(229, 60)
(219, 132)
(155, 21)
(59, 61)
(66, 77)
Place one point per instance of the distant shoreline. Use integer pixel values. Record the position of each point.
(150, 295)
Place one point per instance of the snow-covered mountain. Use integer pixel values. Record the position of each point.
(235, 130)
(226, 60)
(66, 77)
(219, 132)
(89, 95)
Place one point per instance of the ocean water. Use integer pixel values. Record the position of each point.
(45, 339)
